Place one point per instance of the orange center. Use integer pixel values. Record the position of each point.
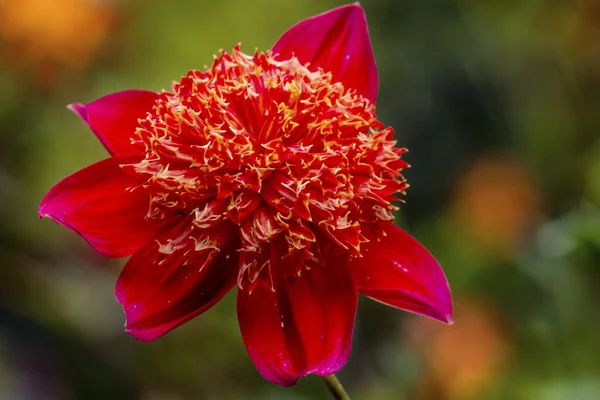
(276, 148)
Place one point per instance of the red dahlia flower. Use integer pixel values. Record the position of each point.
(269, 172)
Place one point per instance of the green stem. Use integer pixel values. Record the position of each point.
(336, 388)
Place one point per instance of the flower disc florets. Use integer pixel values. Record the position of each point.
(290, 157)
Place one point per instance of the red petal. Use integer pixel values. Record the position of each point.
(398, 271)
(303, 326)
(160, 291)
(114, 118)
(103, 205)
(337, 41)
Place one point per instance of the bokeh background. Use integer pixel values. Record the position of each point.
(499, 104)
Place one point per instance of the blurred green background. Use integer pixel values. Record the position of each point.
(499, 104)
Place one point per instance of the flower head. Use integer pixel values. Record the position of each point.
(269, 172)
